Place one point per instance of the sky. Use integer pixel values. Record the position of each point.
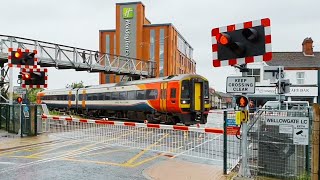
(77, 23)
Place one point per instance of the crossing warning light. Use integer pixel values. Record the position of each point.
(241, 43)
(34, 78)
(242, 101)
(22, 58)
(19, 100)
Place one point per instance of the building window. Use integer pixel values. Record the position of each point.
(114, 44)
(152, 45)
(300, 77)
(184, 47)
(161, 60)
(254, 73)
(107, 44)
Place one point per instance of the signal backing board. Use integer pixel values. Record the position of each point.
(253, 54)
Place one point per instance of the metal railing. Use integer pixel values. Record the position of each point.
(68, 57)
(204, 143)
(275, 150)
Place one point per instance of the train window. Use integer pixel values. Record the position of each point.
(73, 98)
(122, 95)
(173, 93)
(131, 95)
(141, 95)
(89, 97)
(151, 94)
(80, 97)
(107, 96)
(95, 96)
(101, 96)
(206, 89)
(115, 95)
(185, 89)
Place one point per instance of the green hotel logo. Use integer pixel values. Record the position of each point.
(127, 13)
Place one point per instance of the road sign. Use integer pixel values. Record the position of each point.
(19, 90)
(231, 122)
(300, 127)
(241, 85)
(241, 43)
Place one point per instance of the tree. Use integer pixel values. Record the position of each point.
(32, 94)
(75, 85)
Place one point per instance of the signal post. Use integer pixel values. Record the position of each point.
(237, 45)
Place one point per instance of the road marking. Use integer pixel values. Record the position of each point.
(7, 163)
(134, 158)
(67, 144)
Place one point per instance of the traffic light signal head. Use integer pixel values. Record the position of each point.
(34, 78)
(26, 76)
(21, 57)
(242, 101)
(241, 43)
(19, 100)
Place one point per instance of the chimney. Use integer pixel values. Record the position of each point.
(307, 47)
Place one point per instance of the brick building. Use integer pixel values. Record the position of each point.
(136, 37)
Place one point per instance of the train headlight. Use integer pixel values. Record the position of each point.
(185, 101)
(206, 101)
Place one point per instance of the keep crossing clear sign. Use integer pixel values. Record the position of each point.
(240, 85)
(300, 126)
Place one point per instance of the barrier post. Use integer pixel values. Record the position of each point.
(225, 150)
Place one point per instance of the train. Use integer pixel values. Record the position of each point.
(182, 98)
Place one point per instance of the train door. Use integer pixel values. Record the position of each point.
(196, 94)
(163, 96)
(172, 97)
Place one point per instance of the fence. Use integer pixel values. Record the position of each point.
(279, 144)
(20, 118)
(205, 143)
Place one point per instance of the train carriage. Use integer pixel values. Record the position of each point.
(173, 99)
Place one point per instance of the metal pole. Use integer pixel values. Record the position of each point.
(225, 158)
(244, 168)
(20, 109)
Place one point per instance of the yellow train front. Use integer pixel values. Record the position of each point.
(173, 99)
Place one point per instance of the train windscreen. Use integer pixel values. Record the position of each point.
(185, 89)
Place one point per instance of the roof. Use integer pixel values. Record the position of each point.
(295, 60)
(222, 94)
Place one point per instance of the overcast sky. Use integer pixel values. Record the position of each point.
(77, 23)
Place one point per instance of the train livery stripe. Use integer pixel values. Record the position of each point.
(69, 99)
(133, 124)
(83, 99)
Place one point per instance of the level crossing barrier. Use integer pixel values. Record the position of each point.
(199, 142)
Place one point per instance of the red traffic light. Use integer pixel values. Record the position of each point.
(242, 101)
(18, 54)
(19, 100)
(26, 76)
(224, 39)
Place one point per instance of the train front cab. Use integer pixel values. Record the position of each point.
(194, 100)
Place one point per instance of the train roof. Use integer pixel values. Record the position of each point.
(136, 82)
(149, 80)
